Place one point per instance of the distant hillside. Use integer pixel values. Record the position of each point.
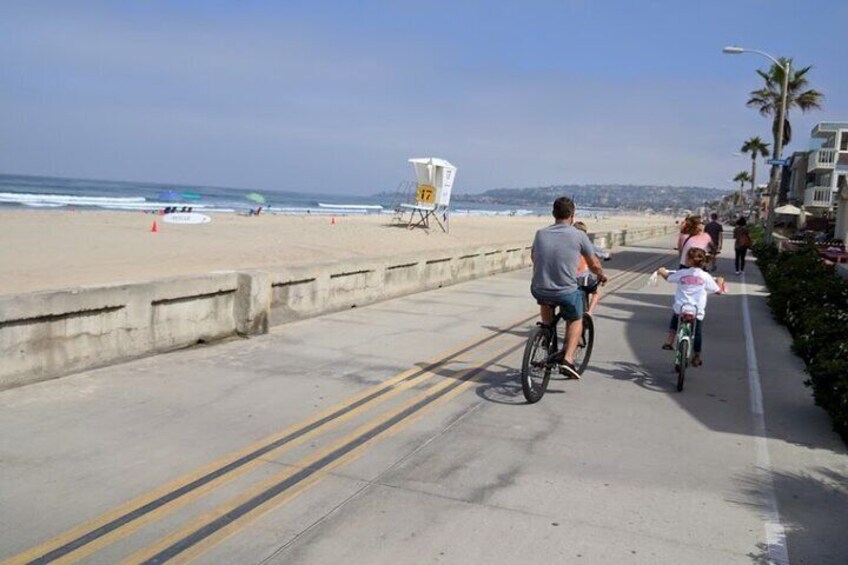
(631, 197)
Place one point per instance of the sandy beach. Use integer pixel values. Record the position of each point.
(45, 250)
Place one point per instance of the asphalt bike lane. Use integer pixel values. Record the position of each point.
(620, 470)
(406, 450)
(101, 429)
(627, 470)
(96, 394)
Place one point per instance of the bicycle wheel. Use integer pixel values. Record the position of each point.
(682, 362)
(535, 370)
(584, 347)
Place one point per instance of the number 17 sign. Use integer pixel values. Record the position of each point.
(426, 194)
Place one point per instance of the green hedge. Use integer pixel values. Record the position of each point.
(757, 232)
(812, 301)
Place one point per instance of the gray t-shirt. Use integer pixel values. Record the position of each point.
(556, 252)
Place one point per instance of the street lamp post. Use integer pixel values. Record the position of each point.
(778, 145)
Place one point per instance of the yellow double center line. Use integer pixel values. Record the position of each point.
(211, 528)
(92, 536)
(202, 533)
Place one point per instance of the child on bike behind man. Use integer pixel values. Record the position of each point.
(584, 275)
(693, 283)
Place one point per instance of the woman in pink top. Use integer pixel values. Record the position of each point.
(693, 236)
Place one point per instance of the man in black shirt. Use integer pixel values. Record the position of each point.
(716, 232)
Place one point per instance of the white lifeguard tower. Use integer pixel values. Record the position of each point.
(435, 179)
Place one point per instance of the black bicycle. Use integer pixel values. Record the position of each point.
(543, 353)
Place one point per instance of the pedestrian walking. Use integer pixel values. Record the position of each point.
(741, 244)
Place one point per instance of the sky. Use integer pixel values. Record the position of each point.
(334, 97)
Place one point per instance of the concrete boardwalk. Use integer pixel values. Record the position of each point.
(398, 433)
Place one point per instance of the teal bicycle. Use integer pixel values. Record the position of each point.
(683, 341)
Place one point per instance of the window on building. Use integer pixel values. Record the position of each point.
(843, 143)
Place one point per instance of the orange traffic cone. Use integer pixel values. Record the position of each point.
(333, 220)
(155, 227)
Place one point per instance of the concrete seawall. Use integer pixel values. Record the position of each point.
(48, 334)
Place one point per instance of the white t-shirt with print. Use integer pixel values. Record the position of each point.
(693, 284)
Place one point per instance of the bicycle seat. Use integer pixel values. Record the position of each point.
(688, 312)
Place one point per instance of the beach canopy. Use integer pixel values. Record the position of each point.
(256, 197)
(788, 209)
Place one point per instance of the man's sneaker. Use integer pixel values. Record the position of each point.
(568, 370)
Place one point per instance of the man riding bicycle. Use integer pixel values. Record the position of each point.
(556, 252)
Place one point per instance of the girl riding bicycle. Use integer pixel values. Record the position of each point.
(693, 283)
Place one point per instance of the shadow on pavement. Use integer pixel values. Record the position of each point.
(809, 530)
(723, 354)
(724, 362)
(761, 557)
(652, 381)
(808, 502)
(502, 386)
(518, 332)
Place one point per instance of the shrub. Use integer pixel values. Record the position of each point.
(829, 379)
(766, 254)
(812, 301)
(757, 232)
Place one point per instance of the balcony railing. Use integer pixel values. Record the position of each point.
(821, 159)
(818, 197)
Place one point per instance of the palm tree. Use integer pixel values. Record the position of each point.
(767, 99)
(756, 148)
(742, 177)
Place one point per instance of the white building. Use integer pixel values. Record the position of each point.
(827, 166)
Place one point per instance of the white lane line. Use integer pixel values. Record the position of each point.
(775, 533)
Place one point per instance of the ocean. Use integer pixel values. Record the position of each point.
(35, 192)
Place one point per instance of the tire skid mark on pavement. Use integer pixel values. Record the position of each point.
(95, 534)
